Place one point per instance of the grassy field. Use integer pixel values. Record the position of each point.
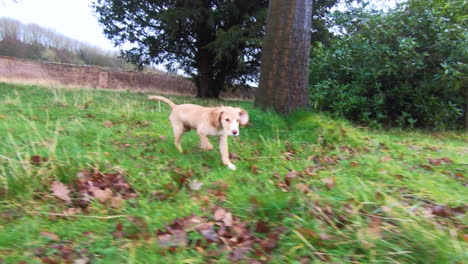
(92, 176)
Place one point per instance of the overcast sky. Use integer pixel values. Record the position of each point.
(72, 18)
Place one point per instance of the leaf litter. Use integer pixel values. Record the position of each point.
(226, 232)
(110, 189)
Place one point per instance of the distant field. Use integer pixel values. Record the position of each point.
(92, 176)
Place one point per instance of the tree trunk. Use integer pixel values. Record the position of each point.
(285, 57)
(466, 109)
(206, 83)
(209, 86)
(204, 73)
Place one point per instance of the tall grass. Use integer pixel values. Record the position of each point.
(383, 174)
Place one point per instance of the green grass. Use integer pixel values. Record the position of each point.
(68, 127)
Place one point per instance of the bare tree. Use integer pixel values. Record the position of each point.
(284, 66)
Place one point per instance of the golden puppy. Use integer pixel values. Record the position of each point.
(220, 121)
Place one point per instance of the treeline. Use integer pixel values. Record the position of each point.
(31, 41)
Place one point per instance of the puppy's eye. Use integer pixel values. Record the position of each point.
(227, 120)
(238, 120)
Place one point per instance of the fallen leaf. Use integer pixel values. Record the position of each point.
(269, 243)
(108, 124)
(176, 238)
(385, 158)
(208, 232)
(233, 156)
(322, 256)
(324, 236)
(465, 237)
(50, 235)
(219, 213)
(427, 167)
(440, 161)
(70, 211)
(329, 182)
(254, 169)
(239, 253)
(117, 201)
(37, 160)
(308, 233)
(385, 209)
(289, 176)
(262, 227)
(83, 260)
(354, 164)
(369, 235)
(195, 185)
(102, 195)
(442, 211)
(227, 220)
(303, 188)
(60, 191)
(119, 232)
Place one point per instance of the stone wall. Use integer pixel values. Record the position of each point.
(51, 73)
(26, 71)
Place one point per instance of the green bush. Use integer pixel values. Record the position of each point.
(404, 67)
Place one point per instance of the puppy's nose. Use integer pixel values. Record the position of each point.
(234, 132)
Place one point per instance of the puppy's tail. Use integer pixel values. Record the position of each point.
(164, 99)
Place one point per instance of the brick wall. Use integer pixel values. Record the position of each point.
(51, 73)
(91, 76)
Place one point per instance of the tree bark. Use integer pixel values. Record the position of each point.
(466, 109)
(204, 74)
(284, 75)
(206, 82)
(209, 85)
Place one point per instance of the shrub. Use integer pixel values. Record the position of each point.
(404, 67)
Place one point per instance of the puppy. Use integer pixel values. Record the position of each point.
(220, 121)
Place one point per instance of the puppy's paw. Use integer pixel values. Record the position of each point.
(206, 147)
(231, 166)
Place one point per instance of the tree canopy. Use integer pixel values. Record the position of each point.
(216, 42)
(213, 41)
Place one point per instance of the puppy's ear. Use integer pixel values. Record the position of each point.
(215, 117)
(244, 117)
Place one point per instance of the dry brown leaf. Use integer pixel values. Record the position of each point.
(227, 219)
(254, 169)
(102, 195)
(117, 201)
(303, 188)
(219, 213)
(440, 161)
(385, 158)
(208, 232)
(385, 209)
(369, 235)
(195, 185)
(176, 238)
(50, 235)
(329, 182)
(71, 211)
(289, 176)
(60, 191)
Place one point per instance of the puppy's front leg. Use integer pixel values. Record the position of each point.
(205, 142)
(223, 147)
